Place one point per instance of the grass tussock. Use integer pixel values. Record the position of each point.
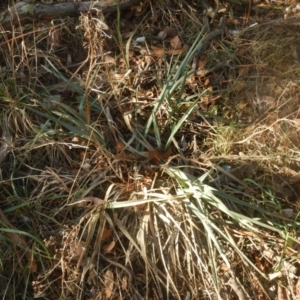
(126, 173)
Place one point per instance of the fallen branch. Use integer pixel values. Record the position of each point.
(204, 43)
(25, 13)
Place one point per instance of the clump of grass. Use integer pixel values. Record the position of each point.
(120, 180)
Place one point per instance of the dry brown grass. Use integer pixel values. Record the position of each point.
(95, 203)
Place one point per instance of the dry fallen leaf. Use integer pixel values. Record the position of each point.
(202, 63)
(190, 80)
(156, 156)
(157, 52)
(108, 247)
(107, 233)
(109, 283)
(120, 146)
(201, 67)
(176, 43)
(76, 249)
(170, 31)
(182, 50)
(109, 60)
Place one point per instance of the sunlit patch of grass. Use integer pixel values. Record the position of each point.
(223, 140)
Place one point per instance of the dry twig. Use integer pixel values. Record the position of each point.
(24, 13)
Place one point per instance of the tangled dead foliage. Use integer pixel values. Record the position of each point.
(98, 202)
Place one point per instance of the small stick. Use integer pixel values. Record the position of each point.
(26, 12)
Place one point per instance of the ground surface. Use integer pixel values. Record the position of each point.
(152, 153)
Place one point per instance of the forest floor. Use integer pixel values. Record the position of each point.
(152, 153)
